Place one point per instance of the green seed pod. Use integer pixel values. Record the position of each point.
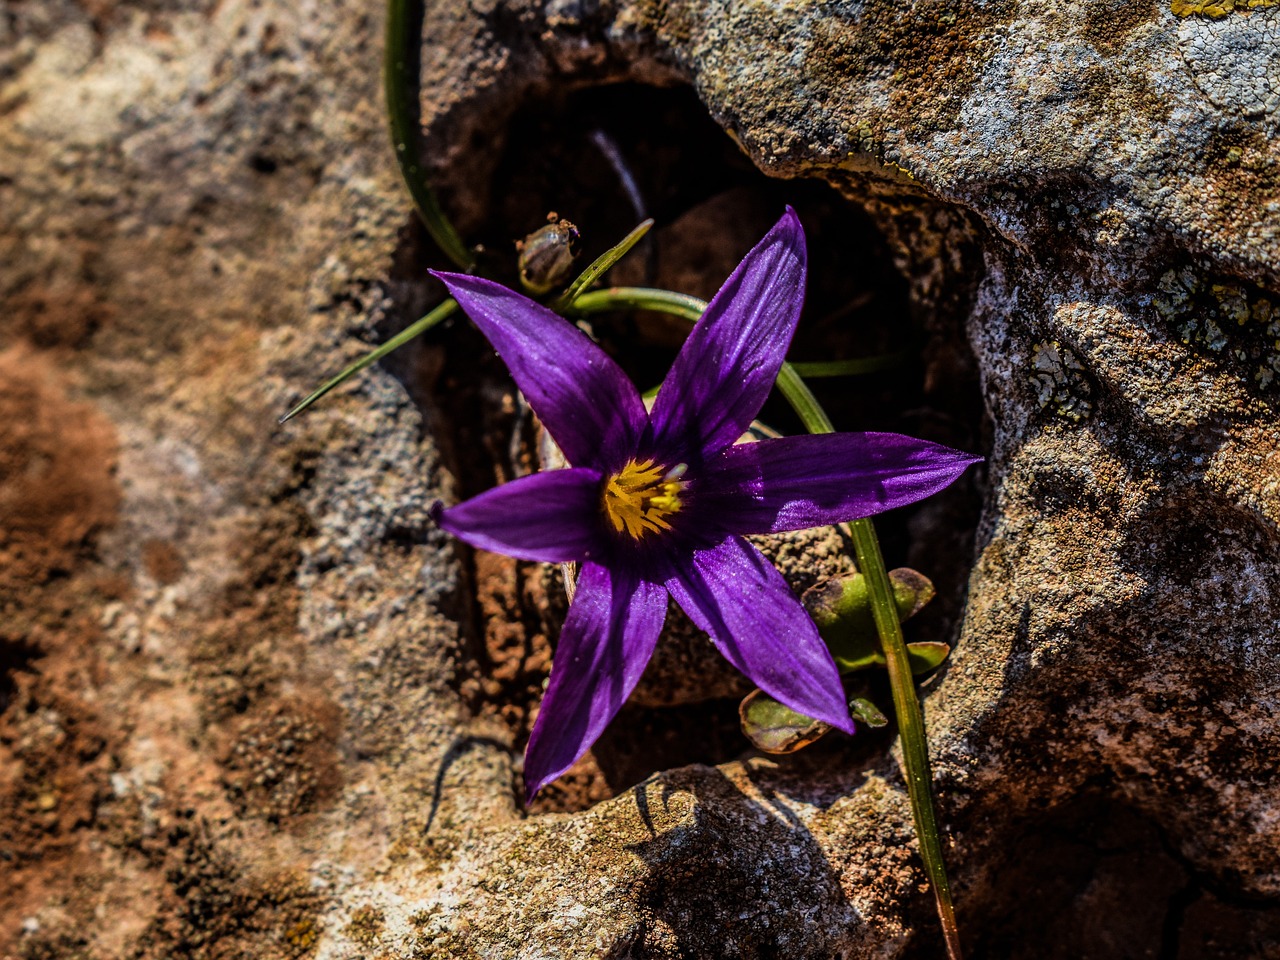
(546, 255)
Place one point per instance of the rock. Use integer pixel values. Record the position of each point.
(254, 704)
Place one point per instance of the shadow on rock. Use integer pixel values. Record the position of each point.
(734, 875)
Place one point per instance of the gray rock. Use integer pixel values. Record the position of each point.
(258, 706)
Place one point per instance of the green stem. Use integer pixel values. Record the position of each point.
(807, 408)
(848, 368)
(440, 313)
(640, 298)
(400, 71)
(915, 749)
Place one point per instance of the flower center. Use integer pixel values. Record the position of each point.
(640, 497)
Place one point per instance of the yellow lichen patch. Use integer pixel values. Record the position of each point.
(1217, 8)
(640, 497)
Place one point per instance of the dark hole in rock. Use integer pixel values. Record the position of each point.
(262, 163)
(1095, 878)
(15, 656)
(710, 206)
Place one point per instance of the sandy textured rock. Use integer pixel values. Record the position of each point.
(254, 705)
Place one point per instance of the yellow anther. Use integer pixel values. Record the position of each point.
(640, 497)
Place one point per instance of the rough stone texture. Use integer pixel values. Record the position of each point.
(253, 705)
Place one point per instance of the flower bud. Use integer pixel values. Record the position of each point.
(546, 255)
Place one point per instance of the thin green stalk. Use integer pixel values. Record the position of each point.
(807, 408)
(640, 298)
(915, 750)
(855, 367)
(400, 69)
(441, 312)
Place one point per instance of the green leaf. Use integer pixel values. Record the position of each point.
(440, 313)
(400, 85)
(911, 591)
(864, 711)
(775, 728)
(841, 607)
(599, 267)
(854, 652)
(927, 655)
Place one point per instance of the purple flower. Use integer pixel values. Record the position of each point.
(656, 504)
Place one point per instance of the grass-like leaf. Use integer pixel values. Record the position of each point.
(400, 83)
(443, 311)
(600, 266)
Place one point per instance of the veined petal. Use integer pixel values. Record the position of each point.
(554, 516)
(582, 397)
(792, 483)
(733, 593)
(607, 640)
(726, 368)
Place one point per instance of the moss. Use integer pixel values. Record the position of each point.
(933, 51)
(1241, 171)
(216, 910)
(283, 762)
(673, 21)
(435, 939)
(1108, 25)
(302, 934)
(56, 946)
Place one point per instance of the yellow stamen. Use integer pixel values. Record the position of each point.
(640, 497)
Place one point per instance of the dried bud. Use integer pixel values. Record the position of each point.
(546, 255)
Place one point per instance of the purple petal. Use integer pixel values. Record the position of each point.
(583, 399)
(727, 366)
(553, 516)
(607, 640)
(733, 593)
(796, 482)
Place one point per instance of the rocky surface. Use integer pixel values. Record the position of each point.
(254, 705)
